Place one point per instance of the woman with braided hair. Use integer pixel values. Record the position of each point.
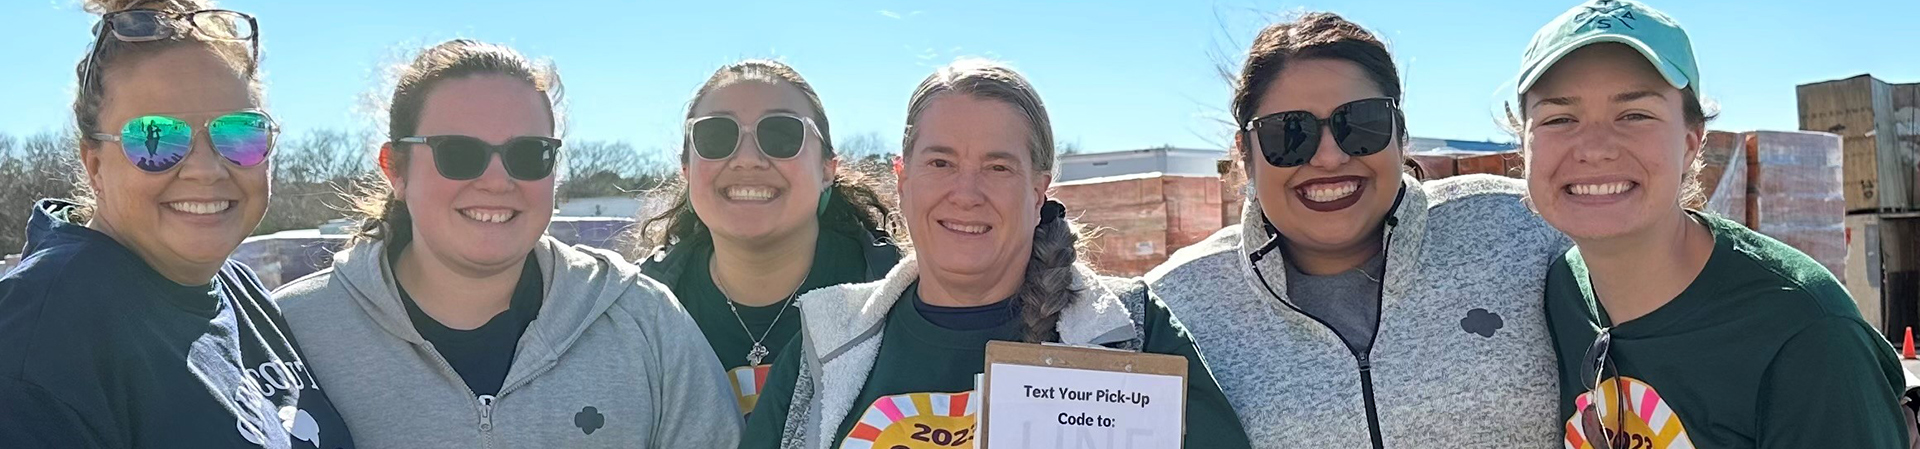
(993, 259)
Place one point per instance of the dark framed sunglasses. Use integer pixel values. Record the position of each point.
(780, 135)
(157, 143)
(1359, 128)
(460, 158)
(148, 25)
(1593, 370)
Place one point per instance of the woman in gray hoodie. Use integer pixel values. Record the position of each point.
(1354, 306)
(452, 321)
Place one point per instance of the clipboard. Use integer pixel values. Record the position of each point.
(1006, 353)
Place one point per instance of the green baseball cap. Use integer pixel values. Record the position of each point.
(1628, 22)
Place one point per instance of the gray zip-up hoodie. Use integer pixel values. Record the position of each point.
(1461, 359)
(611, 361)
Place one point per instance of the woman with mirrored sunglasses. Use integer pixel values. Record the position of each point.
(125, 324)
(452, 320)
(1355, 306)
(1674, 327)
(764, 214)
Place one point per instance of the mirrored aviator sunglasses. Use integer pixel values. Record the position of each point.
(1359, 128)
(461, 158)
(158, 143)
(779, 135)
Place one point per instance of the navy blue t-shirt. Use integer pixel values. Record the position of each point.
(482, 356)
(97, 349)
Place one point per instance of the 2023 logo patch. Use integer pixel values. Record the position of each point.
(916, 421)
(1638, 419)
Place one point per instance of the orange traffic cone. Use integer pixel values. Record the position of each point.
(1906, 348)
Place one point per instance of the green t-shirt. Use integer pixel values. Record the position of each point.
(1763, 349)
(934, 367)
(837, 259)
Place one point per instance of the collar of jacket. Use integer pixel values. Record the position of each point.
(1404, 233)
(841, 328)
(582, 283)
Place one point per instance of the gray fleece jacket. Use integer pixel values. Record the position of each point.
(611, 361)
(1461, 359)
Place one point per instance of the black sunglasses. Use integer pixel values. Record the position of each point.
(148, 25)
(460, 158)
(1360, 128)
(1592, 370)
(780, 135)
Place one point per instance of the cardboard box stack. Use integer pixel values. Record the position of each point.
(1437, 165)
(1723, 176)
(1785, 184)
(1797, 180)
(1880, 163)
(1138, 220)
(1879, 124)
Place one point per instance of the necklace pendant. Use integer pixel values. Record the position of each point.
(757, 354)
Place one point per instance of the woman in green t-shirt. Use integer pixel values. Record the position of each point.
(765, 214)
(1677, 328)
(994, 259)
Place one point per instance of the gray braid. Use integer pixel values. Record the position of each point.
(1049, 281)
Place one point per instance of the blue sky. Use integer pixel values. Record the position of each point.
(1115, 74)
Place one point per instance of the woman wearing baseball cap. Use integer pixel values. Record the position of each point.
(1676, 328)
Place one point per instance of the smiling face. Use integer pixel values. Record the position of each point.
(970, 192)
(183, 222)
(1608, 144)
(748, 196)
(1335, 202)
(487, 223)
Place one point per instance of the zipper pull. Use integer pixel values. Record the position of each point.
(1365, 363)
(486, 412)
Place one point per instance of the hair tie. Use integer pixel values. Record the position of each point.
(1052, 211)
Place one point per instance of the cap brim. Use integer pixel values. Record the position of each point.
(1674, 76)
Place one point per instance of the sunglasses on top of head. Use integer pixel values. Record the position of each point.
(1359, 128)
(780, 135)
(158, 143)
(148, 25)
(461, 158)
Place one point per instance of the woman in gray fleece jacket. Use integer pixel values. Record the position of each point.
(454, 322)
(1354, 306)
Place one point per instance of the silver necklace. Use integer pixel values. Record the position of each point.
(759, 351)
(1362, 269)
